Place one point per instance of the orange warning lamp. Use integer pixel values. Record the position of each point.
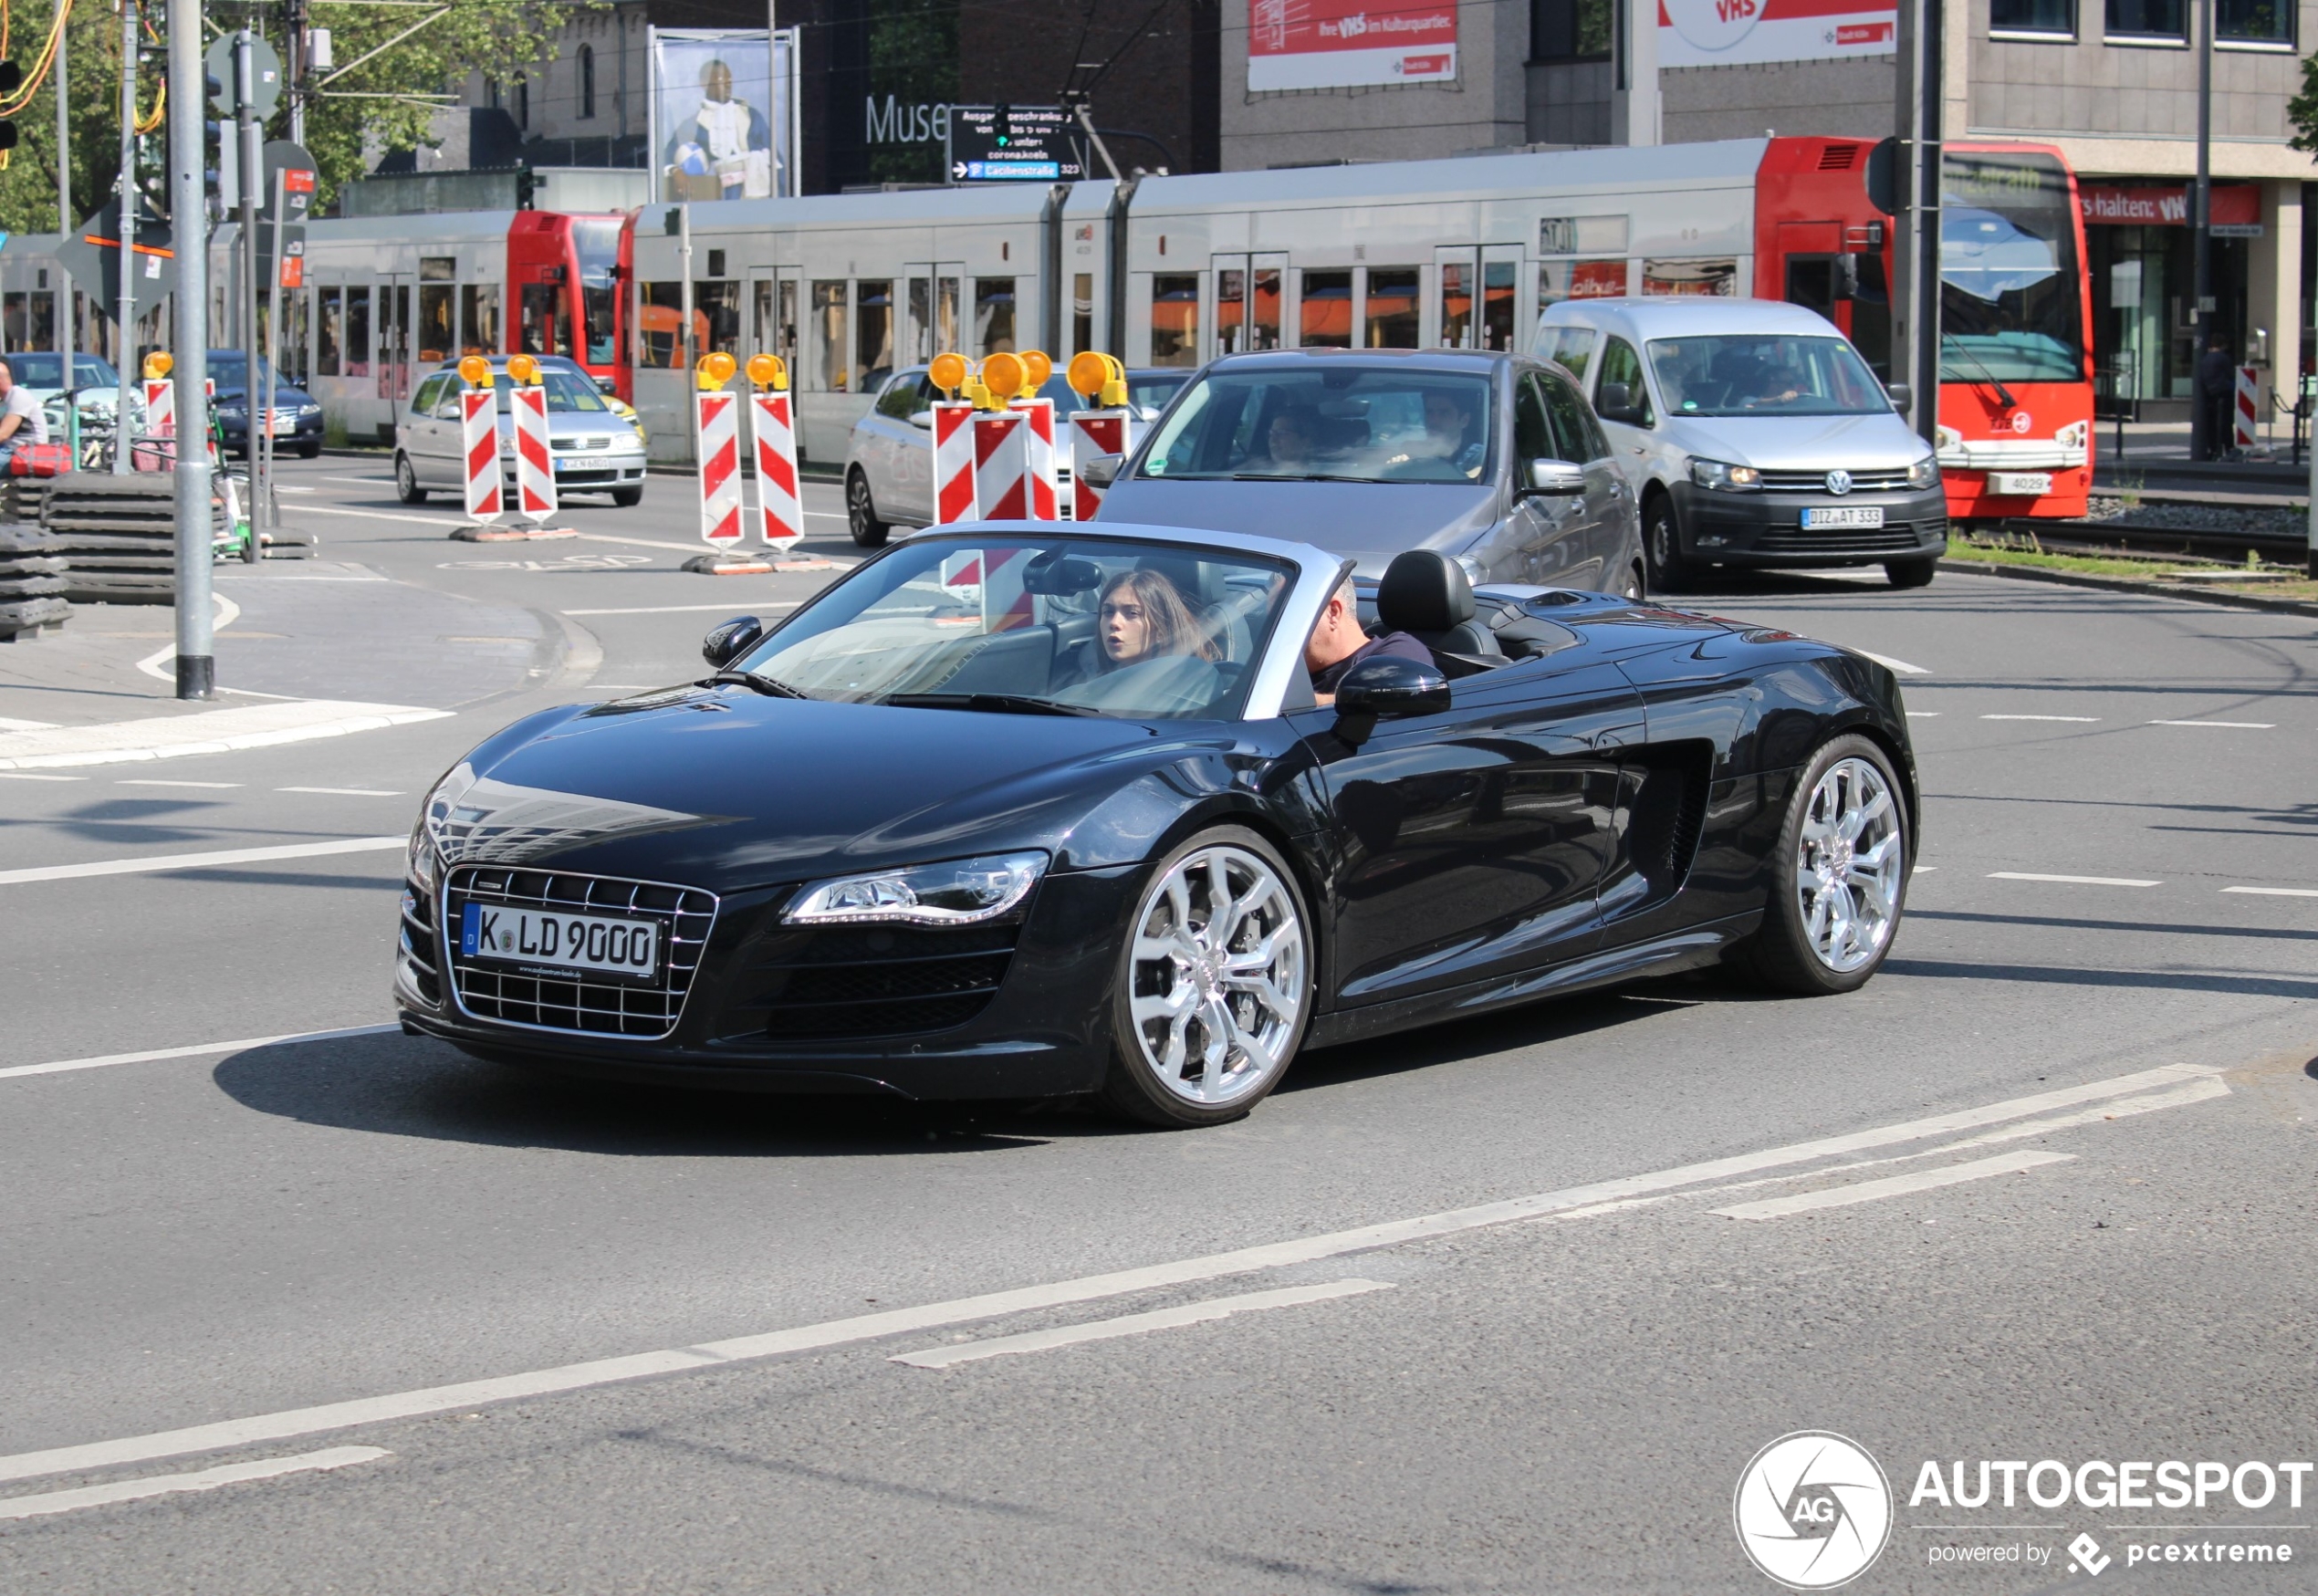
(948, 373)
(768, 371)
(1100, 377)
(158, 365)
(714, 372)
(477, 371)
(523, 369)
(1037, 368)
(1002, 376)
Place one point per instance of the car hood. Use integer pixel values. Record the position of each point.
(1370, 522)
(1810, 442)
(726, 789)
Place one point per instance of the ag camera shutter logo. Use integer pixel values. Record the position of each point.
(1812, 1510)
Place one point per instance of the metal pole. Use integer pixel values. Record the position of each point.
(196, 660)
(1930, 134)
(125, 322)
(64, 152)
(1907, 279)
(273, 331)
(245, 135)
(294, 37)
(2203, 445)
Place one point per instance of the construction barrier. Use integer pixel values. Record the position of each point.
(718, 452)
(479, 445)
(953, 442)
(1038, 462)
(1001, 458)
(2246, 433)
(535, 467)
(780, 514)
(1106, 429)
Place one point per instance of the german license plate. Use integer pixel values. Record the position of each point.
(1844, 516)
(2019, 484)
(584, 462)
(544, 939)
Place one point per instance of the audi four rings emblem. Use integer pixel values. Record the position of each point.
(1839, 482)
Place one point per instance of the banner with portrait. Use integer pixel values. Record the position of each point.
(723, 112)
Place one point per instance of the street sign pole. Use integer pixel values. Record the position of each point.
(197, 655)
(245, 137)
(273, 331)
(125, 324)
(64, 152)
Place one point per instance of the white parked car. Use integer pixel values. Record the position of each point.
(595, 448)
(1754, 435)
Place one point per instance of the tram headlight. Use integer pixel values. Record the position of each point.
(2074, 435)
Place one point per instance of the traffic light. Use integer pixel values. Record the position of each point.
(10, 80)
(526, 187)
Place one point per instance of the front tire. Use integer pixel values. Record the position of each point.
(860, 513)
(1666, 571)
(627, 498)
(1215, 987)
(406, 481)
(1910, 573)
(1839, 875)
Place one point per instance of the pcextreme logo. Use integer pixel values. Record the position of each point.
(1812, 1510)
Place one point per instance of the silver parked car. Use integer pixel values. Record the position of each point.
(889, 460)
(596, 449)
(1754, 435)
(1493, 459)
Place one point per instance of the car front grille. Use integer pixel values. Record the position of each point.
(1893, 537)
(582, 1003)
(1892, 481)
(861, 981)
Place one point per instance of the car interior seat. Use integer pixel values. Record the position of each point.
(1426, 594)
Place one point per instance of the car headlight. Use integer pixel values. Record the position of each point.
(422, 864)
(962, 892)
(306, 410)
(231, 412)
(1924, 473)
(1730, 478)
(2072, 436)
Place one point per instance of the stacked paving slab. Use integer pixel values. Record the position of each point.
(32, 583)
(118, 535)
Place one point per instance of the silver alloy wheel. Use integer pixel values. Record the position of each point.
(1217, 977)
(1847, 872)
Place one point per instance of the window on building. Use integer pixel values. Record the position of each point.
(522, 100)
(2162, 19)
(2052, 18)
(587, 82)
(1392, 309)
(1570, 30)
(993, 315)
(2254, 22)
(1174, 319)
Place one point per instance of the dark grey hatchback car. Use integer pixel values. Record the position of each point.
(1493, 459)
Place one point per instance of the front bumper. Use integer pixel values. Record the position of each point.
(1767, 529)
(1044, 1032)
(305, 434)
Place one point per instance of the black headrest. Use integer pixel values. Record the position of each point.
(1424, 590)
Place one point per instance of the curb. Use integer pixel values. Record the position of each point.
(2131, 585)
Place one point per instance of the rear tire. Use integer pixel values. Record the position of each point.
(1910, 573)
(406, 481)
(1665, 568)
(1838, 876)
(1214, 991)
(860, 513)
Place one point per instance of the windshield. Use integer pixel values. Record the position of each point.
(38, 370)
(1062, 624)
(1765, 376)
(567, 391)
(596, 241)
(1329, 423)
(2009, 310)
(229, 369)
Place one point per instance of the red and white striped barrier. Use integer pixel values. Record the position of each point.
(991, 581)
(161, 422)
(781, 516)
(719, 416)
(1001, 489)
(535, 467)
(2246, 433)
(954, 497)
(1093, 432)
(479, 447)
(1037, 458)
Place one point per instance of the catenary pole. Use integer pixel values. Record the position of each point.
(64, 149)
(252, 167)
(2203, 445)
(188, 200)
(125, 323)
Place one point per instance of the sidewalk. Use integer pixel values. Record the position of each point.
(2156, 459)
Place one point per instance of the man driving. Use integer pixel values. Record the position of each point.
(1450, 432)
(1338, 644)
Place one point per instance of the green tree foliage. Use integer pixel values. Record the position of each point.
(92, 54)
(913, 55)
(2302, 110)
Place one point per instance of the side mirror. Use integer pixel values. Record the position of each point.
(1101, 471)
(727, 642)
(1386, 687)
(1555, 477)
(922, 419)
(1615, 402)
(1901, 395)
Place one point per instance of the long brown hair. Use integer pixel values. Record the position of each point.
(1170, 628)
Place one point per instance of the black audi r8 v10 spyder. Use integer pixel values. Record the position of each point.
(1027, 810)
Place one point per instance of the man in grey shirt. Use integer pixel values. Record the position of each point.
(21, 421)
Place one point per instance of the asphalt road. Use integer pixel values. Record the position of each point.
(1511, 1304)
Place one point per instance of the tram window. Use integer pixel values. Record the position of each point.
(1710, 278)
(873, 331)
(1580, 279)
(31, 320)
(715, 317)
(1324, 312)
(659, 319)
(294, 369)
(542, 326)
(945, 314)
(1174, 319)
(1392, 308)
(358, 332)
(830, 372)
(1231, 312)
(922, 320)
(328, 331)
(993, 315)
(1082, 310)
(479, 317)
(437, 336)
(1263, 309)
(1457, 304)
(1501, 287)
(596, 303)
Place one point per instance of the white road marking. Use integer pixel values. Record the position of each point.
(345, 791)
(1135, 1324)
(643, 542)
(2275, 892)
(26, 725)
(35, 775)
(1901, 666)
(2081, 720)
(152, 1055)
(570, 1377)
(1923, 714)
(734, 607)
(381, 516)
(1923, 869)
(123, 867)
(207, 1479)
(1898, 1185)
(155, 781)
(358, 481)
(2241, 726)
(161, 664)
(2021, 875)
(215, 731)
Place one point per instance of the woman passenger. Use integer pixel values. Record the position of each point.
(1142, 617)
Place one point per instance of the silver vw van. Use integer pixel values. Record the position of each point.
(1755, 435)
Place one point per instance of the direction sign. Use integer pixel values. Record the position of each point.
(93, 254)
(264, 64)
(297, 169)
(1013, 143)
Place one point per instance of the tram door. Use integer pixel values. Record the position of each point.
(1479, 300)
(394, 331)
(772, 316)
(1249, 294)
(930, 324)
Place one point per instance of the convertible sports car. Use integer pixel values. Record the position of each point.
(1020, 810)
